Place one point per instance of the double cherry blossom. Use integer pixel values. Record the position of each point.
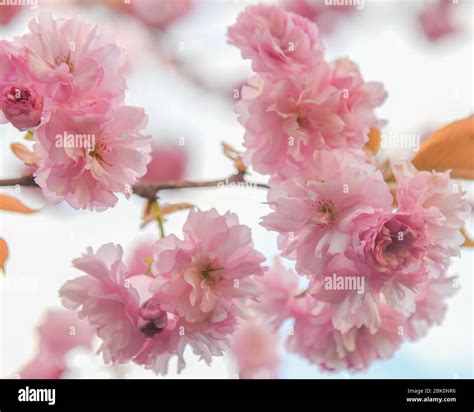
(64, 81)
(377, 275)
(193, 296)
(374, 260)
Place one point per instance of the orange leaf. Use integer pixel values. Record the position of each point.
(3, 254)
(451, 147)
(234, 155)
(468, 242)
(374, 140)
(167, 209)
(11, 204)
(23, 153)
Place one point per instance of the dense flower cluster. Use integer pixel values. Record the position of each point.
(64, 81)
(193, 294)
(375, 256)
(298, 102)
(376, 274)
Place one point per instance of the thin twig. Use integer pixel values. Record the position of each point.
(21, 181)
(151, 191)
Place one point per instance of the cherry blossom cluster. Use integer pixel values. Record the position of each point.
(371, 253)
(63, 81)
(375, 263)
(192, 293)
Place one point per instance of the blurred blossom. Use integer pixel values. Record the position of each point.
(141, 253)
(436, 19)
(8, 13)
(255, 348)
(155, 14)
(324, 15)
(168, 162)
(60, 332)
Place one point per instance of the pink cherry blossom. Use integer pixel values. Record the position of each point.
(287, 120)
(431, 306)
(168, 162)
(394, 250)
(278, 288)
(9, 64)
(8, 12)
(159, 14)
(206, 338)
(60, 332)
(443, 205)
(20, 102)
(276, 41)
(325, 15)
(315, 338)
(436, 20)
(71, 63)
(255, 348)
(205, 275)
(22, 106)
(42, 367)
(397, 244)
(351, 293)
(151, 318)
(336, 198)
(139, 259)
(106, 154)
(132, 322)
(107, 301)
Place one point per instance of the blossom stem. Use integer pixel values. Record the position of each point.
(151, 191)
(20, 181)
(159, 219)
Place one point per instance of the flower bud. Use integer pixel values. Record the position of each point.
(22, 106)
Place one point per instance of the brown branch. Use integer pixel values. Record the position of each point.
(151, 191)
(21, 181)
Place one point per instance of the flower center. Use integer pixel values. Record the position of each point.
(98, 149)
(396, 245)
(326, 214)
(209, 273)
(302, 115)
(151, 319)
(65, 59)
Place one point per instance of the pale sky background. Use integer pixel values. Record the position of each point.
(428, 84)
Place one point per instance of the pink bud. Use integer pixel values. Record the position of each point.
(22, 106)
(152, 319)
